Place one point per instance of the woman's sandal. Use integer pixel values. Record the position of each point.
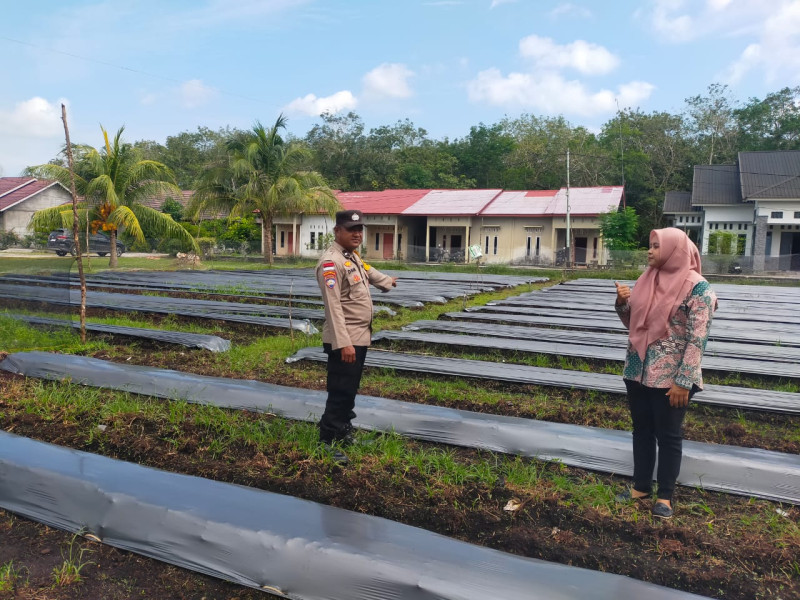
(660, 509)
(627, 496)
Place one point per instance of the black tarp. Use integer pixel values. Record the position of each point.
(290, 547)
(746, 471)
(762, 333)
(190, 340)
(201, 309)
(718, 395)
(617, 354)
(596, 338)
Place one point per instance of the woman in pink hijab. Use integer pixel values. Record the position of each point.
(668, 315)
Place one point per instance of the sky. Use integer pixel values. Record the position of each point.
(161, 67)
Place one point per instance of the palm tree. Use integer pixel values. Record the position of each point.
(113, 183)
(264, 174)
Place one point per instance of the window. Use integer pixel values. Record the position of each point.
(740, 226)
(313, 240)
(538, 246)
(776, 214)
(486, 250)
(495, 245)
(283, 239)
(745, 226)
(377, 241)
(528, 248)
(797, 214)
(594, 248)
(400, 241)
(680, 219)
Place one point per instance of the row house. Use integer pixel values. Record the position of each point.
(523, 227)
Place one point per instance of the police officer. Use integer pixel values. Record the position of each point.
(344, 280)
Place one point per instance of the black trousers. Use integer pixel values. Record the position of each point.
(655, 423)
(343, 381)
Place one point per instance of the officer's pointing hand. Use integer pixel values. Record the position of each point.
(394, 281)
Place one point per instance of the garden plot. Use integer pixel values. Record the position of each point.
(274, 542)
(769, 475)
(594, 338)
(252, 314)
(717, 395)
(726, 364)
(213, 343)
(554, 512)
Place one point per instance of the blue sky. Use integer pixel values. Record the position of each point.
(162, 67)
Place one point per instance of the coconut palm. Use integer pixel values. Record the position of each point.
(264, 174)
(113, 182)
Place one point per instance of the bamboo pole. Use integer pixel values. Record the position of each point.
(75, 220)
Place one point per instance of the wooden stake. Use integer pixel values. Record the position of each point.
(75, 220)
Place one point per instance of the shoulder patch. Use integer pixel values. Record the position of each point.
(330, 282)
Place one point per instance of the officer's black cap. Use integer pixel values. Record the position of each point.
(349, 218)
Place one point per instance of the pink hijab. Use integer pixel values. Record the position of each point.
(662, 288)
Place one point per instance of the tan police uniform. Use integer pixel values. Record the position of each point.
(344, 280)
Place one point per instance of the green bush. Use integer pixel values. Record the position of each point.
(206, 245)
(173, 246)
(8, 239)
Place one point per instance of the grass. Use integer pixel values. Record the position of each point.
(12, 576)
(73, 562)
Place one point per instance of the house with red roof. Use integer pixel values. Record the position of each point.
(20, 197)
(521, 227)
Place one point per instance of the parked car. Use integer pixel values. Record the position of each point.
(61, 242)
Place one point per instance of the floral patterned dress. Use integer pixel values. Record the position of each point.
(675, 358)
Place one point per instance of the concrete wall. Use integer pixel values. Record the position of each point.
(17, 217)
(738, 219)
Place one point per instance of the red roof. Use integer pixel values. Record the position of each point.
(387, 202)
(452, 203)
(14, 190)
(588, 201)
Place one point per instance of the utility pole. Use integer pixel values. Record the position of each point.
(569, 233)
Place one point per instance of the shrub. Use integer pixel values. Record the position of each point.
(8, 239)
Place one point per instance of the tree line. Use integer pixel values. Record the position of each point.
(651, 153)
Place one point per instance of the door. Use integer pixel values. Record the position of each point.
(580, 250)
(290, 242)
(388, 246)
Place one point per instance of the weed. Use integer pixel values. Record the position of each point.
(11, 575)
(69, 571)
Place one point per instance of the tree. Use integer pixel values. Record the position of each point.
(187, 153)
(173, 208)
(772, 123)
(619, 229)
(538, 160)
(713, 125)
(482, 154)
(113, 182)
(657, 158)
(264, 174)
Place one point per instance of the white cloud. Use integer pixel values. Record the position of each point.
(585, 57)
(148, 99)
(769, 31)
(194, 93)
(550, 92)
(496, 3)
(570, 9)
(389, 80)
(313, 106)
(33, 118)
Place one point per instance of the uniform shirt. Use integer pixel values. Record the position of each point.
(674, 358)
(344, 280)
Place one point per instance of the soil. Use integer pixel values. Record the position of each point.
(692, 552)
